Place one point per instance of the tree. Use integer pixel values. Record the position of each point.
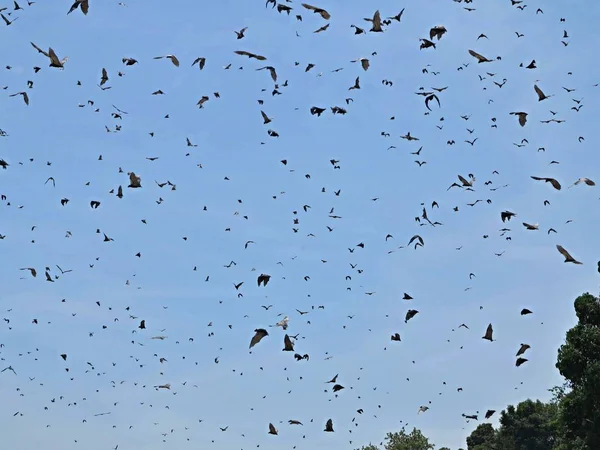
(482, 438)
(369, 447)
(531, 425)
(404, 441)
(579, 362)
(559, 392)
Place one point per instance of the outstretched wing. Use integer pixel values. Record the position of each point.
(250, 55)
(539, 92)
(376, 20)
(324, 14)
(260, 333)
(563, 251)
(479, 57)
(40, 50)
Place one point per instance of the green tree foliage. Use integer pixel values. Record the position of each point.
(579, 362)
(369, 447)
(531, 425)
(482, 438)
(401, 440)
(558, 392)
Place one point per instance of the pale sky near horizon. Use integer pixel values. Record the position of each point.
(232, 188)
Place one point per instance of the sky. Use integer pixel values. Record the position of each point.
(231, 187)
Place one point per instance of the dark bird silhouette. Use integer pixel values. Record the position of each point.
(173, 59)
(264, 279)
(522, 117)
(567, 255)
(272, 429)
(522, 349)
(540, 94)
(250, 55)
(288, 345)
(489, 333)
(375, 22)
(22, 94)
(507, 215)
(480, 58)
(410, 314)
(54, 61)
(324, 14)
(82, 4)
(555, 184)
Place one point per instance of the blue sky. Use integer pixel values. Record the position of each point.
(247, 391)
